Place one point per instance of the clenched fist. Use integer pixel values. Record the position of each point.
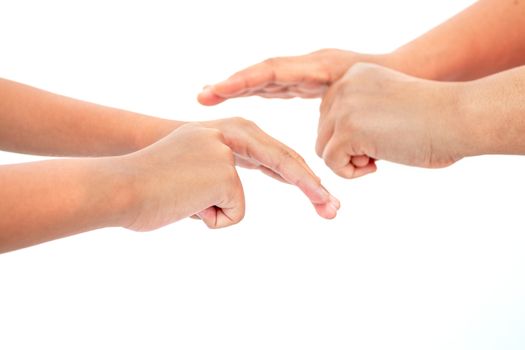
(374, 112)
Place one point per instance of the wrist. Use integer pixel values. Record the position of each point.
(115, 189)
(350, 58)
(152, 129)
(396, 60)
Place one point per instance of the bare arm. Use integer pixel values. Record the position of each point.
(52, 199)
(487, 37)
(144, 190)
(494, 112)
(39, 122)
(144, 175)
(380, 113)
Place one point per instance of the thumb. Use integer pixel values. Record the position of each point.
(227, 212)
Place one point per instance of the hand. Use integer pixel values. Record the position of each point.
(190, 171)
(377, 113)
(306, 76)
(255, 149)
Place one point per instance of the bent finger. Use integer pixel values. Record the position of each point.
(339, 160)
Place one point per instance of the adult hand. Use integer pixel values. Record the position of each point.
(374, 112)
(306, 76)
(255, 149)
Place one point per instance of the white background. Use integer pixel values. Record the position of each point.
(416, 259)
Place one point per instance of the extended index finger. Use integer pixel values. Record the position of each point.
(292, 168)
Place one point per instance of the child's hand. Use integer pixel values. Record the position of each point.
(191, 171)
(255, 149)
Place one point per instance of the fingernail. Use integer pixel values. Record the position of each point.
(207, 92)
(335, 202)
(334, 207)
(323, 193)
(331, 211)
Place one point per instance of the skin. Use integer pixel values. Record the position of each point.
(461, 49)
(140, 191)
(378, 113)
(139, 172)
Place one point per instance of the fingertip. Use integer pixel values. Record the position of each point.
(332, 211)
(324, 203)
(207, 97)
(335, 202)
(326, 211)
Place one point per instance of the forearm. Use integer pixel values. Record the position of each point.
(486, 38)
(39, 122)
(494, 112)
(47, 200)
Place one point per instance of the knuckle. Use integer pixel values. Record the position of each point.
(235, 200)
(344, 173)
(319, 149)
(330, 54)
(215, 135)
(345, 117)
(324, 51)
(243, 122)
(361, 68)
(239, 215)
(366, 75)
(285, 157)
(331, 156)
(336, 94)
(348, 122)
(326, 104)
(291, 154)
(297, 157)
(272, 61)
(345, 89)
(237, 120)
(328, 158)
